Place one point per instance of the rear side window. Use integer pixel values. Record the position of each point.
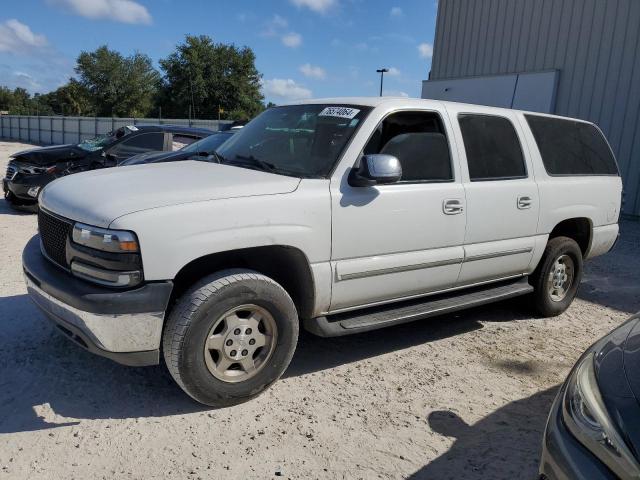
(492, 146)
(418, 141)
(179, 141)
(571, 148)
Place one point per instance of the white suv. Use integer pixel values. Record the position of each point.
(340, 215)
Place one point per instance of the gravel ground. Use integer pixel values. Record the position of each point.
(461, 396)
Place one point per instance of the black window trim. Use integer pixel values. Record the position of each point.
(446, 136)
(515, 130)
(575, 120)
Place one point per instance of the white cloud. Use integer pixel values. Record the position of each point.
(313, 71)
(394, 93)
(291, 40)
(396, 12)
(285, 89)
(125, 11)
(279, 22)
(425, 50)
(318, 6)
(393, 72)
(17, 37)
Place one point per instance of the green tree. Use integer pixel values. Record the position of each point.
(119, 86)
(211, 76)
(6, 97)
(70, 99)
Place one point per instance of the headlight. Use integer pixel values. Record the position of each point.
(586, 417)
(117, 241)
(33, 170)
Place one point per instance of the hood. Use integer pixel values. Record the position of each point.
(617, 365)
(155, 157)
(49, 155)
(98, 197)
(632, 358)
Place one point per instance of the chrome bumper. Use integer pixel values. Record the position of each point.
(131, 339)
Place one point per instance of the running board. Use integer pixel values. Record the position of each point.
(402, 312)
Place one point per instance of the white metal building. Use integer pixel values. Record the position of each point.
(579, 58)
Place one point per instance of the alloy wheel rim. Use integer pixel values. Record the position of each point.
(561, 278)
(240, 343)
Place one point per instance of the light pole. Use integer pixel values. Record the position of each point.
(382, 71)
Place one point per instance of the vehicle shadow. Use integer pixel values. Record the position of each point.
(46, 379)
(316, 353)
(6, 209)
(612, 280)
(497, 446)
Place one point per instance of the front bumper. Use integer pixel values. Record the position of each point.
(563, 457)
(19, 186)
(123, 325)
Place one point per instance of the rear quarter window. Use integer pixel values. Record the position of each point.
(568, 147)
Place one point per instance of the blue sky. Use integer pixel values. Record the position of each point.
(304, 48)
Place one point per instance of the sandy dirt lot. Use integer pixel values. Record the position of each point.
(462, 396)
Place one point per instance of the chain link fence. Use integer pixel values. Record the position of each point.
(57, 130)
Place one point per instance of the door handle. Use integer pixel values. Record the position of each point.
(524, 203)
(452, 207)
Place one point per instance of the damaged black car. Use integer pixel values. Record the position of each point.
(30, 170)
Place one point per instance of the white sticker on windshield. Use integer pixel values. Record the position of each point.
(340, 112)
(132, 128)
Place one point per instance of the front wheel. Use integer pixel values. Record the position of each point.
(557, 278)
(230, 337)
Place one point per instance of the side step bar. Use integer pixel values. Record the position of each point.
(402, 312)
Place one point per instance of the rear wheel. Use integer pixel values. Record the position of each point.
(230, 337)
(557, 278)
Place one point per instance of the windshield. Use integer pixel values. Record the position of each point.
(208, 144)
(101, 141)
(297, 140)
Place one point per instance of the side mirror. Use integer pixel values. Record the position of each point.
(378, 169)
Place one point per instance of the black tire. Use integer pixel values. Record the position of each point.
(542, 298)
(195, 314)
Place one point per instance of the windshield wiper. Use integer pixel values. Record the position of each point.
(256, 162)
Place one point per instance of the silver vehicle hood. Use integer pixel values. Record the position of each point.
(100, 196)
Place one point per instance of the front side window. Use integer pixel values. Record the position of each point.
(139, 144)
(568, 147)
(296, 140)
(418, 141)
(492, 147)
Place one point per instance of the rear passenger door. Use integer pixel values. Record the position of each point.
(501, 194)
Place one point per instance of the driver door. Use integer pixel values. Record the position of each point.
(403, 239)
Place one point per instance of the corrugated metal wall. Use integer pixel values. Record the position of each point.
(595, 44)
(59, 130)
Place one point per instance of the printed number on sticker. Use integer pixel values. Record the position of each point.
(341, 112)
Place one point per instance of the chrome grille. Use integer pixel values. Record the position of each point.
(54, 232)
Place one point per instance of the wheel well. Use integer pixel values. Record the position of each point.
(286, 265)
(579, 229)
